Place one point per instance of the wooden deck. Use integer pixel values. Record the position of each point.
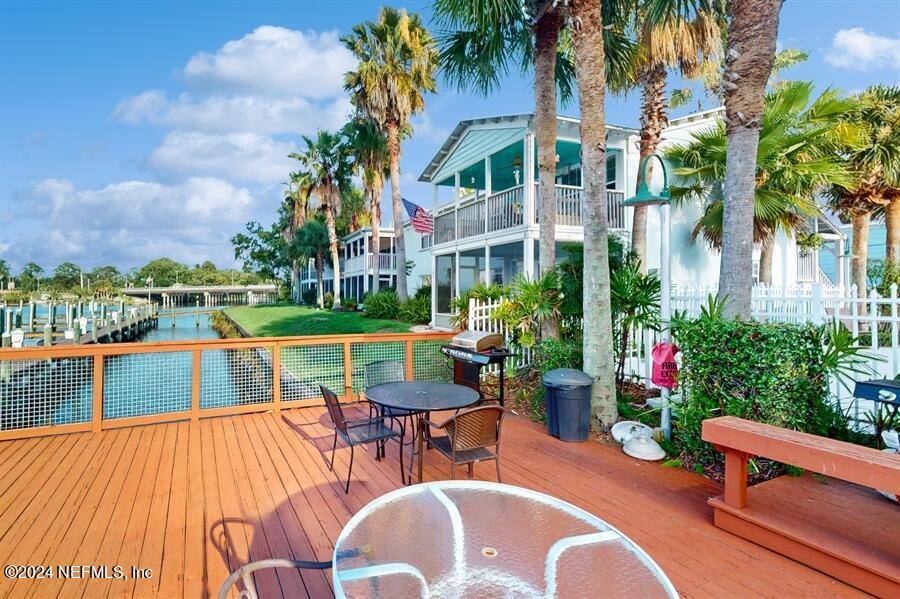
(192, 501)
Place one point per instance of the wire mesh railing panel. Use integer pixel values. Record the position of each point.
(235, 377)
(305, 367)
(429, 364)
(51, 392)
(366, 353)
(144, 384)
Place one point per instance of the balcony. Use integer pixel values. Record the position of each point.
(506, 210)
(358, 264)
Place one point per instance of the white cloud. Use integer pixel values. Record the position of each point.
(256, 114)
(134, 221)
(424, 128)
(860, 50)
(235, 156)
(275, 60)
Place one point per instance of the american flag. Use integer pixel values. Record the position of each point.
(421, 221)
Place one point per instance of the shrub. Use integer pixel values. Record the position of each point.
(766, 372)
(309, 296)
(480, 292)
(328, 300)
(349, 304)
(423, 291)
(417, 309)
(530, 302)
(551, 354)
(385, 304)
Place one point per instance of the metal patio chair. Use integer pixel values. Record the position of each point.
(389, 371)
(245, 574)
(360, 432)
(471, 436)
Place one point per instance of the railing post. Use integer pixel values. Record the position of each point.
(195, 385)
(348, 371)
(410, 371)
(276, 376)
(97, 395)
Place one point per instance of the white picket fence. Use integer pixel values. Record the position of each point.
(813, 303)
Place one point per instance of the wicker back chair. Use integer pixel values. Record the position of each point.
(473, 435)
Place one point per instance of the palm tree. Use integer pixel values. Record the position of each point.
(875, 162)
(369, 148)
(311, 242)
(590, 70)
(397, 61)
(296, 202)
(482, 39)
(683, 35)
(325, 165)
(795, 160)
(748, 64)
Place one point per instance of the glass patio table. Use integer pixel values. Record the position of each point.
(420, 397)
(478, 539)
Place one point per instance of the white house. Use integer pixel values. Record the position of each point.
(484, 181)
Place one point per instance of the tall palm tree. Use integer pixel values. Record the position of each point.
(296, 201)
(875, 162)
(674, 35)
(325, 168)
(748, 63)
(369, 148)
(795, 161)
(397, 62)
(483, 39)
(590, 70)
(311, 242)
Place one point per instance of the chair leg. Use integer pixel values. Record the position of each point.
(349, 472)
(333, 448)
(471, 469)
(402, 473)
(497, 461)
(453, 471)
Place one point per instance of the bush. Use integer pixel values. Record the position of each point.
(765, 372)
(551, 354)
(423, 291)
(309, 297)
(349, 304)
(385, 305)
(417, 309)
(328, 300)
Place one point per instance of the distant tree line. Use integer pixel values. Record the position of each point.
(68, 276)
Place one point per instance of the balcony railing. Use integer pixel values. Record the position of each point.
(76, 388)
(385, 261)
(506, 209)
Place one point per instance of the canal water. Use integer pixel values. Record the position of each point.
(42, 393)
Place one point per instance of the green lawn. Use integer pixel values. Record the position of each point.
(285, 320)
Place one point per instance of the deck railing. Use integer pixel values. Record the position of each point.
(83, 388)
(506, 209)
(445, 227)
(471, 220)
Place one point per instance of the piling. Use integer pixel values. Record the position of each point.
(48, 335)
(197, 315)
(5, 365)
(76, 332)
(30, 316)
(94, 329)
(51, 314)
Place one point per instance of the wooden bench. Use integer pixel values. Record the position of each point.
(832, 524)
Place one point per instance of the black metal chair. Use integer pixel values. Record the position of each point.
(360, 432)
(389, 371)
(470, 434)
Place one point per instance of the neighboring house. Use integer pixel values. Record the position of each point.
(484, 180)
(358, 256)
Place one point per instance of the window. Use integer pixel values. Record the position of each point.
(426, 241)
(445, 276)
(611, 170)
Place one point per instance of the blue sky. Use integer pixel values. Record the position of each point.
(133, 130)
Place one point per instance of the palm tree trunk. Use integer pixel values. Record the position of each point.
(892, 231)
(546, 40)
(859, 253)
(375, 209)
(393, 133)
(750, 55)
(335, 255)
(598, 338)
(766, 257)
(653, 119)
(320, 283)
(295, 282)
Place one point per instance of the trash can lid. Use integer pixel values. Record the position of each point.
(567, 377)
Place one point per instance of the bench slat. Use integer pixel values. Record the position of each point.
(846, 461)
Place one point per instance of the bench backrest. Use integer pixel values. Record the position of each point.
(838, 459)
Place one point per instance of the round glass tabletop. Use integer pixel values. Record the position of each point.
(422, 396)
(486, 540)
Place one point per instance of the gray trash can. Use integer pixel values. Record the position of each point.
(568, 394)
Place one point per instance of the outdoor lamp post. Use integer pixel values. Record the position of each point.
(645, 197)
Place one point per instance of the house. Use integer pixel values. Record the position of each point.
(484, 201)
(358, 255)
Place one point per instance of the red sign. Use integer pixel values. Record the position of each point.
(664, 366)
